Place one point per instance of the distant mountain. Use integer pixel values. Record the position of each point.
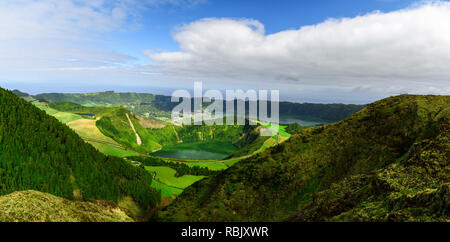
(388, 162)
(37, 152)
(151, 105)
(19, 93)
(145, 104)
(313, 111)
(23, 95)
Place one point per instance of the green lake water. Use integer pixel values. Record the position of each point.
(198, 151)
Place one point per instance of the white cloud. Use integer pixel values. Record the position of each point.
(396, 52)
(43, 40)
(360, 58)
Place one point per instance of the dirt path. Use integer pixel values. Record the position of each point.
(176, 134)
(138, 139)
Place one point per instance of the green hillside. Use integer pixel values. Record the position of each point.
(171, 137)
(33, 206)
(388, 162)
(37, 152)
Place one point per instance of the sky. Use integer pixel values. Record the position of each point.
(323, 51)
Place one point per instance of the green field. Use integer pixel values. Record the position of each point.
(111, 150)
(166, 176)
(86, 128)
(166, 191)
(63, 117)
(212, 150)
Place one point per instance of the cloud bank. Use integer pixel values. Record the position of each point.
(391, 53)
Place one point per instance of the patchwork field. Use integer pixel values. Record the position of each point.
(86, 128)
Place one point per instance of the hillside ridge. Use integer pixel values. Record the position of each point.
(406, 138)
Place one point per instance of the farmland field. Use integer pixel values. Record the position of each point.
(86, 128)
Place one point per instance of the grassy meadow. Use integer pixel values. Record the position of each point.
(111, 150)
(166, 176)
(167, 182)
(63, 117)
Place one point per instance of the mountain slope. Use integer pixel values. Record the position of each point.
(328, 173)
(39, 153)
(33, 206)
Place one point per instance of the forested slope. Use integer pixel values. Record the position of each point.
(388, 162)
(39, 153)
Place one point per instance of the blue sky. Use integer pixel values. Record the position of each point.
(317, 51)
(277, 15)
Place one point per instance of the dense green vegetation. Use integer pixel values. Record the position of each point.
(37, 152)
(293, 128)
(388, 162)
(180, 168)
